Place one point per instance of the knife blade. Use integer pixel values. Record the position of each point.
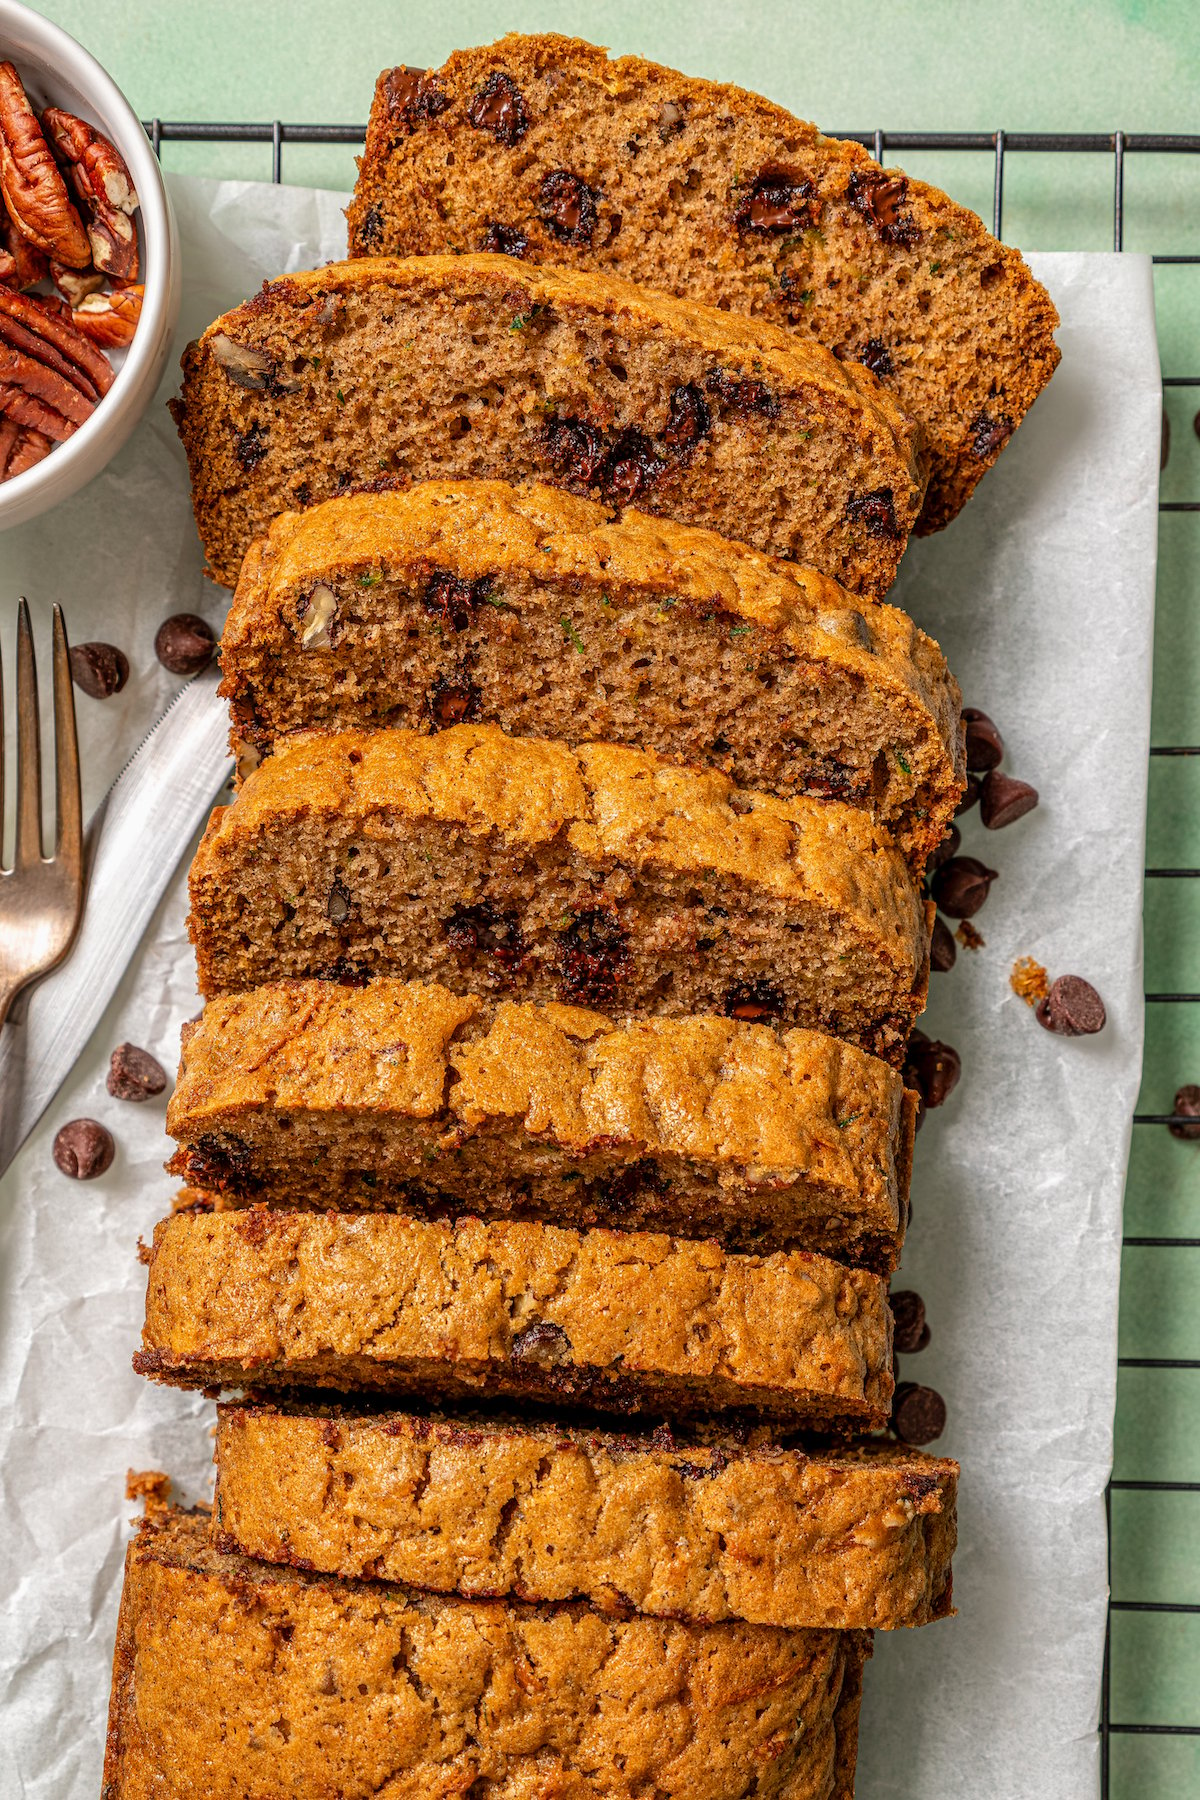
(134, 842)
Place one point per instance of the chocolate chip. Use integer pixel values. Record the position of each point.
(541, 1343)
(414, 96)
(877, 357)
(483, 929)
(184, 643)
(453, 701)
(777, 202)
(911, 1333)
(574, 450)
(99, 669)
(642, 1181)
(1005, 799)
(370, 229)
(504, 240)
(134, 1074)
(879, 196)
(1196, 424)
(877, 511)
(83, 1149)
(337, 907)
(988, 434)
(836, 780)
(918, 1413)
(943, 951)
(985, 746)
(742, 398)
(946, 849)
(250, 447)
(453, 601)
(970, 797)
(932, 1067)
(568, 207)
(1072, 1008)
(593, 959)
(961, 886)
(1187, 1106)
(754, 1000)
(499, 107)
(689, 418)
(630, 468)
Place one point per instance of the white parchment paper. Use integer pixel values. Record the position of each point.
(1042, 595)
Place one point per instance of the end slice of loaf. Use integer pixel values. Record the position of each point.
(234, 1681)
(719, 1526)
(463, 366)
(544, 146)
(600, 877)
(624, 1321)
(549, 616)
(309, 1093)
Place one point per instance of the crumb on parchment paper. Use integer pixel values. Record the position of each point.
(1029, 980)
(969, 937)
(150, 1486)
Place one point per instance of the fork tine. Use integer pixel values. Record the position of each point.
(29, 748)
(68, 839)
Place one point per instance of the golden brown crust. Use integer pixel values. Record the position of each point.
(240, 1682)
(540, 554)
(705, 1531)
(881, 267)
(380, 847)
(273, 411)
(622, 1320)
(307, 1092)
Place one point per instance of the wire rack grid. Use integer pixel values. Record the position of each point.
(1120, 148)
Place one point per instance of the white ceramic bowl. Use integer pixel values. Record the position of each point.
(59, 72)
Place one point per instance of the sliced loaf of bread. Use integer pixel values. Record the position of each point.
(624, 1321)
(704, 1525)
(398, 370)
(600, 876)
(546, 148)
(236, 1681)
(552, 616)
(311, 1093)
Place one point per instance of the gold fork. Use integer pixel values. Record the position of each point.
(41, 897)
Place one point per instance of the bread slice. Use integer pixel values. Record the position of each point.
(600, 877)
(624, 1321)
(550, 616)
(708, 1526)
(546, 148)
(308, 1093)
(456, 366)
(234, 1681)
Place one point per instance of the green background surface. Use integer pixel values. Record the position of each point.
(914, 65)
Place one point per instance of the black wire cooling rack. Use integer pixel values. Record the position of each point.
(1119, 147)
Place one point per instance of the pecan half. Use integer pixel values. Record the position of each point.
(109, 319)
(32, 446)
(10, 431)
(75, 284)
(31, 187)
(28, 410)
(21, 264)
(49, 322)
(102, 182)
(38, 379)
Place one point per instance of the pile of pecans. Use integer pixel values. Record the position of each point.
(67, 224)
